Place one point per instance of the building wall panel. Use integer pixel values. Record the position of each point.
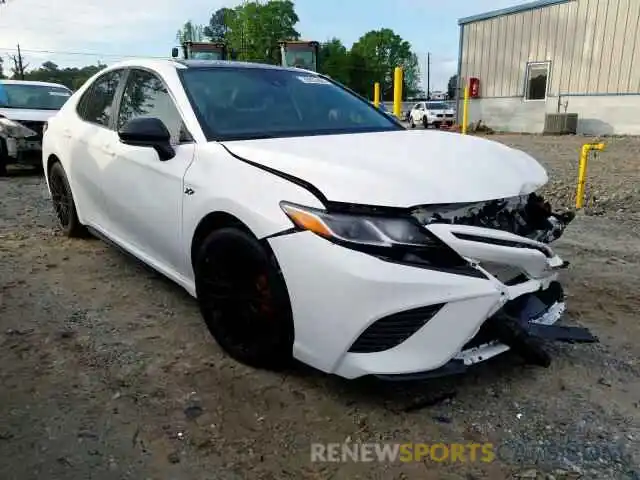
(594, 47)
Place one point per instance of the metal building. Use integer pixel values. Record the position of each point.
(549, 56)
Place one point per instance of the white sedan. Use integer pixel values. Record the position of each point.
(303, 221)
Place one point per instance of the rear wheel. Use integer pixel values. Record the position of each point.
(244, 300)
(64, 204)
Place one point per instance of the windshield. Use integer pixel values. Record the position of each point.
(206, 55)
(437, 106)
(300, 58)
(34, 97)
(245, 103)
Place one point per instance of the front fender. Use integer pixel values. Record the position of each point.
(221, 183)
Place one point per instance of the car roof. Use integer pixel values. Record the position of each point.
(29, 82)
(186, 64)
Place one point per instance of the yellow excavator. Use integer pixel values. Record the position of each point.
(288, 53)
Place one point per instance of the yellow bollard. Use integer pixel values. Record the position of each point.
(582, 170)
(465, 110)
(397, 92)
(376, 94)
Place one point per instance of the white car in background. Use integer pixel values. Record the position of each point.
(25, 107)
(303, 221)
(431, 114)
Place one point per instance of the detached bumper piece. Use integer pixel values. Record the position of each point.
(518, 325)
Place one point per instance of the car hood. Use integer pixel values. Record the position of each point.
(27, 114)
(399, 168)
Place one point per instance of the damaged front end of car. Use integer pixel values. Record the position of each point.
(21, 141)
(507, 239)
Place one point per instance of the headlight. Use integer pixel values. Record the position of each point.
(15, 129)
(366, 230)
(395, 239)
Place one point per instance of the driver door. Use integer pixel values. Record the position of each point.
(146, 193)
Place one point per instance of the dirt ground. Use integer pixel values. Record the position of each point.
(108, 371)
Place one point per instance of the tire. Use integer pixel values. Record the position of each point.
(4, 158)
(64, 204)
(425, 122)
(244, 300)
(412, 124)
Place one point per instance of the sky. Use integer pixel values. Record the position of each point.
(77, 33)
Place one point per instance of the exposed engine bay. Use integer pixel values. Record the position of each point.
(527, 215)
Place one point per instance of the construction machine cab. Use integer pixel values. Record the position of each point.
(202, 51)
(300, 54)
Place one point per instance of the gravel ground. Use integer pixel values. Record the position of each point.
(109, 373)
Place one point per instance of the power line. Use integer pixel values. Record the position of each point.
(87, 54)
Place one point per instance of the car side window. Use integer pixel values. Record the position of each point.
(96, 104)
(145, 95)
(418, 107)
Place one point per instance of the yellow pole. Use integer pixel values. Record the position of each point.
(465, 110)
(376, 94)
(582, 170)
(397, 92)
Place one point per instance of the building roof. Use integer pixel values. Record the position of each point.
(510, 10)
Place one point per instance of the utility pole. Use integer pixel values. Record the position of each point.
(20, 65)
(428, 75)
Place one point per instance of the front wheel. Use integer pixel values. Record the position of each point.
(244, 300)
(412, 124)
(425, 122)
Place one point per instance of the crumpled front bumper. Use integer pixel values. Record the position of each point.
(348, 304)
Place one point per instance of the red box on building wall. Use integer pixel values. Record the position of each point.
(474, 87)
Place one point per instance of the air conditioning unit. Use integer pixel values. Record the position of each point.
(561, 123)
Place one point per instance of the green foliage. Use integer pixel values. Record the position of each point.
(452, 86)
(190, 32)
(219, 24)
(334, 60)
(254, 29)
(382, 51)
(73, 78)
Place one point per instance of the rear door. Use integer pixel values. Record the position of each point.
(89, 135)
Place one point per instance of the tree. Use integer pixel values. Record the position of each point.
(219, 25)
(73, 78)
(333, 60)
(452, 86)
(255, 28)
(382, 51)
(1, 73)
(190, 33)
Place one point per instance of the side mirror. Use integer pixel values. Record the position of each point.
(175, 52)
(148, 132)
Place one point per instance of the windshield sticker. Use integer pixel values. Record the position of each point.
(60, 94)
(313, 80)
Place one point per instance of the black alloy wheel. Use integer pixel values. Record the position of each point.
(244, 300)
